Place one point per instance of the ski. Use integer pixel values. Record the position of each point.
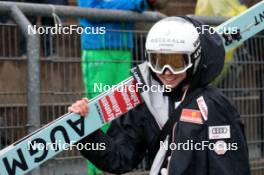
(58, 135)
(28, 153)
(239, 28)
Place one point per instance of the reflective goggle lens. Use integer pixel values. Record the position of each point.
(177, 62)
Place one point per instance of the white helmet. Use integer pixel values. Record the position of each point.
(173, 43)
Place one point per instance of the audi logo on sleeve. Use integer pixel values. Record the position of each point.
(219, 132)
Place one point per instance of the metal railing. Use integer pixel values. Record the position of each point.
(30, 118)
(18, 11)
(59, 79)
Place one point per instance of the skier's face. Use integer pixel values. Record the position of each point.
(170, 79)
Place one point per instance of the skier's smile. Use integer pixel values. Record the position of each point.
(170, 79)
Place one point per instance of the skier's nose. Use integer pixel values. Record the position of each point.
(167, 72)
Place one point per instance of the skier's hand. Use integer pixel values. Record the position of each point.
(80, 107)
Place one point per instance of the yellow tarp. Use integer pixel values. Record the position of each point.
(227, 8)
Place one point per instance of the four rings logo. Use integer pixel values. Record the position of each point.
(220, 130)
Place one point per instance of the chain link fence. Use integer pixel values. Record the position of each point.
(61, 84)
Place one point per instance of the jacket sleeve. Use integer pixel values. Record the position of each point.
(206, 159)
(124, 144)
(135, 5)
(235, 160)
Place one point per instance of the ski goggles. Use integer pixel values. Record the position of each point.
(177, 63)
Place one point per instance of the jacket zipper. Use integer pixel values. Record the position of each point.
(169, 161)
(174, 127)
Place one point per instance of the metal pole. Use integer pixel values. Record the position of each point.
(92, 14)
(33, 75)
(211, 20)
